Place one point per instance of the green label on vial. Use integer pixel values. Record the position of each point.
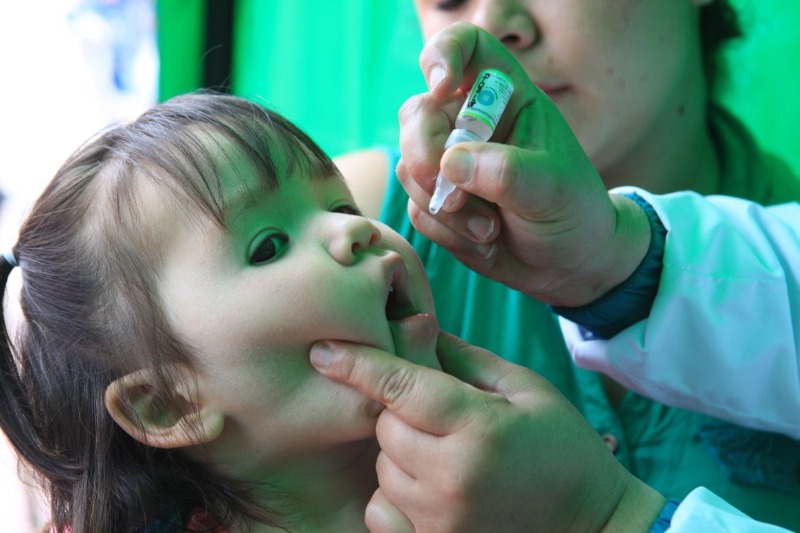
(489, 96)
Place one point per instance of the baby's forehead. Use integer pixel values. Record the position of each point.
(197, 197)
(209, 175)
(158, 213)
(205, 172)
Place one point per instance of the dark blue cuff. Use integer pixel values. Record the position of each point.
(632, 300)
(664, 519)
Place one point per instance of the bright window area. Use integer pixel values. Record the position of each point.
(69, 68)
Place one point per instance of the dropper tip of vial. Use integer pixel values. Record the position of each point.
(437, 201)
(440, 194)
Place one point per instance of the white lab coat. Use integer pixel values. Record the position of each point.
(722, 335)
(702, 511)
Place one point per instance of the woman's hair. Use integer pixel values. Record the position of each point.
(89, 261)
(719, 25)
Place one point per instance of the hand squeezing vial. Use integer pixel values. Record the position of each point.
(475, 122)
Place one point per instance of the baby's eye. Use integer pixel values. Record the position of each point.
(268, 248)
(348, 210)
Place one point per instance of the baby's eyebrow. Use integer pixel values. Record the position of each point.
(245, 196)
(325, 176)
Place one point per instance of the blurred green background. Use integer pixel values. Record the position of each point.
(341, 68)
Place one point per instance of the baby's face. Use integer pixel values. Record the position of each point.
(292, 266)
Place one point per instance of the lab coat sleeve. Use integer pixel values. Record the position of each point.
(703, 511)
(720, 338)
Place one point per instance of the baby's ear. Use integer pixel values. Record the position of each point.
(133, 401)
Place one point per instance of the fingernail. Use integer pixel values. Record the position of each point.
(485, 250)
(321, 355)
(436, 76)
(481, 226)
(459, 167)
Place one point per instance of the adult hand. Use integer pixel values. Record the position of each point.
(531, 210)
(492, 447)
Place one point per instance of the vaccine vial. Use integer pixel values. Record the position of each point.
(475, 122)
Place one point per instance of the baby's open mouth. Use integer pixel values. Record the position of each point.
(398, 301)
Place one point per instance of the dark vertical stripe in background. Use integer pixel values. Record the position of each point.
(218, 45)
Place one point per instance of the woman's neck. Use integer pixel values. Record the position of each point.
(678, 154)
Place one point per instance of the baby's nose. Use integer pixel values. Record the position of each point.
(351, 236)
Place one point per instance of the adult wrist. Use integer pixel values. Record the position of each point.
(640, 509)
(631, 300)
(664, 518)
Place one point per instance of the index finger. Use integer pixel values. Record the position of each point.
(460, 52)
(487, 371)
(426, 399)
(460, 49)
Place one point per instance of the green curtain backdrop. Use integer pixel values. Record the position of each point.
(765, 75)
(181, 27)
(342, 68)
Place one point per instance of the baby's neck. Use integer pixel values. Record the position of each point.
(327, 494)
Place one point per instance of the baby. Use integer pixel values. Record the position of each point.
(176, 272)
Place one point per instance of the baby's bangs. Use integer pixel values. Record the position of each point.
(207, 138)
(273, 148)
